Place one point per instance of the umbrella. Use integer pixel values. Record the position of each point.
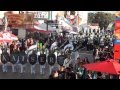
(108, 66)
(7, 37)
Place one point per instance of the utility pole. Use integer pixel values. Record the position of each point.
(47, 25)
(49, 18)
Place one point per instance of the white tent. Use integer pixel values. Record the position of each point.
(44, 27)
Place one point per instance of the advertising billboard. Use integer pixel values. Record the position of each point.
(41, 14)
(19, 20)
(14, 20)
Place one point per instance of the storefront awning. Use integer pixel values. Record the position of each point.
(37, 30)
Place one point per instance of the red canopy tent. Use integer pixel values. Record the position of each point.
(108, 66)
(7, 37)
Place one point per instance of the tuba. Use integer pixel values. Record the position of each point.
(68, 50)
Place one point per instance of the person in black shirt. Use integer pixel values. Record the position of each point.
(72, 74)
(11, 48)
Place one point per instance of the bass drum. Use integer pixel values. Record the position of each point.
(32, 59)
(51, 59)
(67, 51)
(60, 60)
(42, 59)
(23, 58)
(5, 58)
(14, 58)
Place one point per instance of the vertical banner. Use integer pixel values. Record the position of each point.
(117, 39)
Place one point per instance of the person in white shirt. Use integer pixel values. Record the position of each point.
(70, 45)
(53, 46)
(67, 61)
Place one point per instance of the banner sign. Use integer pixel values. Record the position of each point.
(117, 39)
(19, 20)
(41, 14)
(15, 20)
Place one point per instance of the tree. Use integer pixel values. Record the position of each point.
(103, 19)
(91, 17)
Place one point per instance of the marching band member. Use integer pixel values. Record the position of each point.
(32, 61)
(51, 60)
(23, 61)
(42, 67)
(70, 45)
(4, 59)
(67, 61)
(53, 45)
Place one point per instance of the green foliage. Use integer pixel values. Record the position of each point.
(103, 19)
